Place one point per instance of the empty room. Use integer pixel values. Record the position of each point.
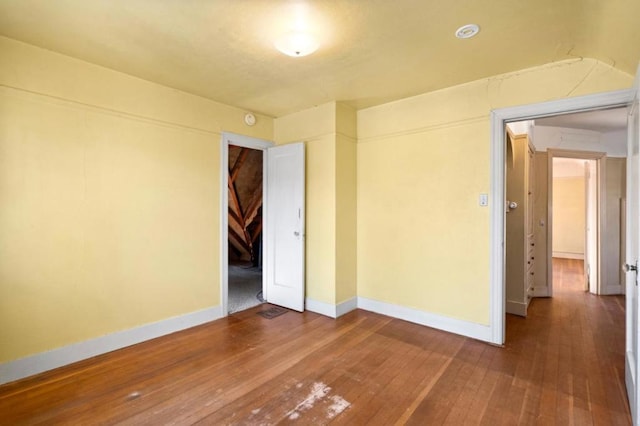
(263, 212)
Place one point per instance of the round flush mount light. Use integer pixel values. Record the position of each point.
(297, 43)
(467, 31)
(249, 119)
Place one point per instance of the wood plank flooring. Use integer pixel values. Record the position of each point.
(564, 364)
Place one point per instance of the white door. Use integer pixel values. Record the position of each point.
(587, 223)
(285, 227)
(631, 262)
(591, 208)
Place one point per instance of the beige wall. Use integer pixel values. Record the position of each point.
(515, 222)
(329, 131)
(109, 186)
(540, 209)
(568, 216)
(110, 193)
(423, 241)
(612, 244)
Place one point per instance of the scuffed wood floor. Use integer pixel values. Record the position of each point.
(562, 365)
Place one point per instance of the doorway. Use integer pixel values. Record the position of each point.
(577, 207)
(245, 226)
(280, 254)
(243, 201)
(499, 118)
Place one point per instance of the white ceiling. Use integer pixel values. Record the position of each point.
(603, 121)
(372, 51)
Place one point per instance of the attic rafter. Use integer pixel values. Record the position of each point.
(236, 204)
(239, 240)
(253, 206)
(245, 200)
(242, 157)
(256, 232)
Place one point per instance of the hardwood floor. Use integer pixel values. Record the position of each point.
(564, 364)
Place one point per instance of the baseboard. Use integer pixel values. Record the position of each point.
(329, 310)
(346, 306)
(540, 292)
(612, 289)
(322, 308)
(516, 308)
(38, 363)
(567, 255)
(452, 325)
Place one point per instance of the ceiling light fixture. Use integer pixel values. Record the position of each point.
(467, 31)
(297, 43)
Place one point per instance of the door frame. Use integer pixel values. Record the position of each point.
(227, 139)
(499, 118)
(599, 158)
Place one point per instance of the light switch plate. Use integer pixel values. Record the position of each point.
(483, 200)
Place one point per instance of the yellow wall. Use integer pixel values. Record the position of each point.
(612, 249)
(316, 127)
(568, 215)
(423, 241)
(109, 187)
(110, 194)
(540, 205)
(346, 219)
(515, 221)
(329, 131)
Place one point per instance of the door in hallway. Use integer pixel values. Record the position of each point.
(633, 248)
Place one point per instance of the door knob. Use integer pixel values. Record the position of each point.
(628, 268)
(296, 233)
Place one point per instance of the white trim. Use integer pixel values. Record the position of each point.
(568, 255)
(322, 308)
(44, 361)
(452, 325)
(346, 306)
(601, 194)
(329, 310)
(540, 292)
(516, 308)
(499, 118)
(607, 290)
(247, 142)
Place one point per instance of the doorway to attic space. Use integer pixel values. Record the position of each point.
(245, 189)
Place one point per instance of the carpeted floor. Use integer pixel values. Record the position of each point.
(245, 287)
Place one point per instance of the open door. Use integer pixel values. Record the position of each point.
(587, 225)
(285, 226)
(632, 250)
(592, 263)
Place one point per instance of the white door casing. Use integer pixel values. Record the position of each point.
(594, 209)
(285, 226)
(246, 142)
(499, 117)
(291, 178)
(632, 250)
(587, 199)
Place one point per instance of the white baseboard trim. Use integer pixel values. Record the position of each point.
(322, 308)
(452, 325)
(346, 306)
(612, 289)
(567, 255)
(329, 310)
(44, 361)
(516, 308)
(540, 292)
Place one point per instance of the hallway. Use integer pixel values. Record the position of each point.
(573, 348)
